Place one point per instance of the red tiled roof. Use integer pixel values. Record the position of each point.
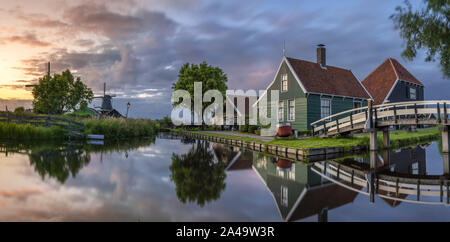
(332, 80)
(380, 81)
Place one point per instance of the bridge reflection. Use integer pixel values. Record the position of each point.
(303, 190)
(394, 176)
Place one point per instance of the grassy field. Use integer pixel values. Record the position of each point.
(398, 139)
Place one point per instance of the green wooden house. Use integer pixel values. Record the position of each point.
(309, 91)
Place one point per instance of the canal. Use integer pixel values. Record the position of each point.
(170, 178)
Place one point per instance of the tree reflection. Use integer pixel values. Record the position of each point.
(58, 163)
(196, 176)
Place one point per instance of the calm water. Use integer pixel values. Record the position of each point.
(172, 179)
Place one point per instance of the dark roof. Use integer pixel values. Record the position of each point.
(380, 81)
(330, 196)
(330, 80)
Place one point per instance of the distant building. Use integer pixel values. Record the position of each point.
(391, 82)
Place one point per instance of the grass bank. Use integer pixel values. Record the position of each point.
(398, 139)
(111, 128)
(120, 127)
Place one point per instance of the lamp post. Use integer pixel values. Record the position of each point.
(128, 107)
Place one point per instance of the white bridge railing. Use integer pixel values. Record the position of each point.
(409, 113)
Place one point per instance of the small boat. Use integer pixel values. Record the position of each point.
(284, 131)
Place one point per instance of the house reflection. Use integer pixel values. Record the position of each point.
(298, 191)
(384, 172)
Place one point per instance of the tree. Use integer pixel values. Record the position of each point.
(196, 176)
(19, 110)
(212, 78)
(426, 28)
(60, 93)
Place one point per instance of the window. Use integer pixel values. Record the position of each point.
(280, 111)
(415, 168)
(284, 196)
(412, 93)
(357, 104)
(284, 82)
(291, 110)
(325, 108)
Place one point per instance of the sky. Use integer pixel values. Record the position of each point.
(137, 46)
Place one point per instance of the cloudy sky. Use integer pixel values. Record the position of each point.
(137, 47)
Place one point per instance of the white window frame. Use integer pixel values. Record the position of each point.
(284, 196)
(280, 106)
(284, 79)
(415, 93)
(325, 99)
(289, 110)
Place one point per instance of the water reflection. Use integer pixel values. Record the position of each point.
(298, 191)
(394, 176)
(197, 175)
(60, 161)
(172, 178)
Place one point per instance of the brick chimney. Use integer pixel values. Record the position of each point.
(321, 56)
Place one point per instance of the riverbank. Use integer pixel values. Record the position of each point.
(111, 128)
(320, 146)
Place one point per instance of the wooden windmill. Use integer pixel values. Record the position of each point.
(106, 100)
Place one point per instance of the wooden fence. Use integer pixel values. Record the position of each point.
(73, 128)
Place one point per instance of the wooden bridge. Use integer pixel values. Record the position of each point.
(380, 117)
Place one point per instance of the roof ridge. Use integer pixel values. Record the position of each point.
(393, 67)
(318, 63)
(374, 69)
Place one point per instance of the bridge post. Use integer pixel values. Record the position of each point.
(445, 139)
(446, 158)
(373, 139)
(372, 128)
(386, 138)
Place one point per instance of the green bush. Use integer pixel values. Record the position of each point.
(19, 110)
(252, 128)
(243, 128)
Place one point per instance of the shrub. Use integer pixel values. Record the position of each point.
(243, 128)
(19, 110)
(252, 128)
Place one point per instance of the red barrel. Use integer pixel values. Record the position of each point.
(284, 164)
(284, 131)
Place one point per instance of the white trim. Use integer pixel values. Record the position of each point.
(282, 82)
(334, 95)
(288, 108)
(278, 111)
(368, 93)
(415, 92)
(390, 91)
(295, 75)
(273, 81)
(331, 105)
(284, 59)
